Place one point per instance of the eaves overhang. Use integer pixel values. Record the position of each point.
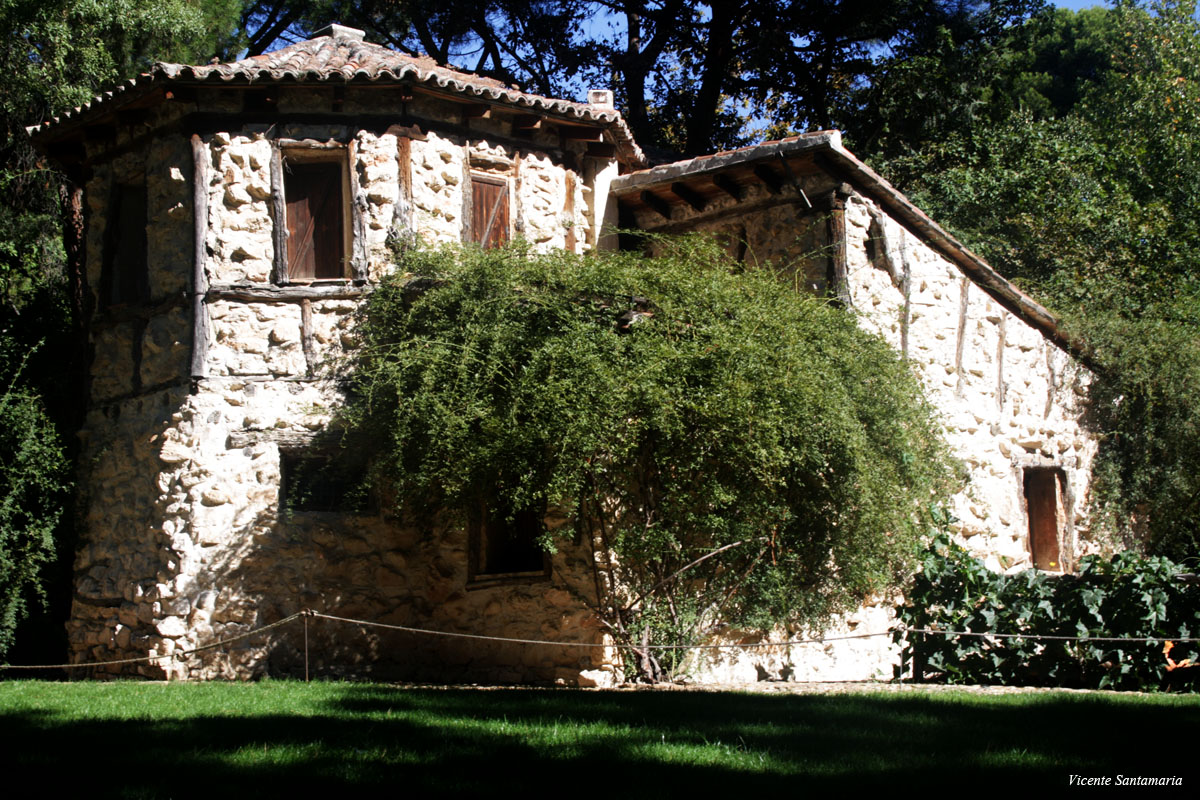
(777, 163)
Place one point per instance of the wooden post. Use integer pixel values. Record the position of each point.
(569, 210)
(200, 324)
(964, 299)
(279, 217)
(358, 217)
(839, 279)
(1000, 345)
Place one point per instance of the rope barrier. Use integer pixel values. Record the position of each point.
(306, 613)
(1046, 637)
(175, 654)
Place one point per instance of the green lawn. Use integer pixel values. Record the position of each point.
(295, 739)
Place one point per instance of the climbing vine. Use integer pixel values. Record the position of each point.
(731, 452)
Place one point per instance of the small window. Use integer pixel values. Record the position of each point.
(124, 276)
(317, 226)
(1045, 505)
(322, 482)
(504, 544)
(489, 211)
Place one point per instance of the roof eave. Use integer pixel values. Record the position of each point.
(827, 152)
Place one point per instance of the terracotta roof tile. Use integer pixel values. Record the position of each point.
(340, 59)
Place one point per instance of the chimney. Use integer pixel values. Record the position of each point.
(340, 32)
(601, 98)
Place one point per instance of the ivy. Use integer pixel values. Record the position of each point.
(1128, 595)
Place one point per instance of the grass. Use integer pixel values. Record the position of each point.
(283, 738)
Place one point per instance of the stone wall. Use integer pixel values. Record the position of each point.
(187, 535)
(1009, 399)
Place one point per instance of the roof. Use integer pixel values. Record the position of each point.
(690, 179)
(340, 58)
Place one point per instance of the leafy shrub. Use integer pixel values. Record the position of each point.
(1129, 595)
(32, 487)
(733, 451)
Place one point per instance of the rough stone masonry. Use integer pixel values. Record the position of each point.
(268, 193)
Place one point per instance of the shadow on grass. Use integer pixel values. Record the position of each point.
(477, 742)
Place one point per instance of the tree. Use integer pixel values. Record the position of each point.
(57, 55)
(732, 451)
(689, 77)
(1092, 203)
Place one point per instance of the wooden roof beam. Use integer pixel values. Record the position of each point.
(526, 122)
(689, 195)
(728, 185)
(601, 150)
(584, 133)
(772, 179)
(656, 204)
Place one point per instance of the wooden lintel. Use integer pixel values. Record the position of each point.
(526, 122)
(583, 133)
(601, 150)
(285, 439)
(295, 293)
(339, 99)
(728, 185)
(772, 179)
(688, 195)
(656, 204)
(477, 111)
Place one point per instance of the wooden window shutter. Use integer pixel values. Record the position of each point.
(316, 246)
(489, 212)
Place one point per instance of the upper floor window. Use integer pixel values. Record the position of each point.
(489, 211)
(124, 275)
(317, 215)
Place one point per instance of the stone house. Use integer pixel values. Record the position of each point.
(229, 218)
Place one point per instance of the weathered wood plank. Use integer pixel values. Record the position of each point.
(286, 294)
(200, 321)
(278, 216)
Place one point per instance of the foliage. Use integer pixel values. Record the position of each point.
(689, 77)
(57, 55)
(32, 490)
(736, 452)
(1091, 202)
(1128, 595)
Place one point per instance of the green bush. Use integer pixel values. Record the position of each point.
(1129, 595)
(33, 484)
(736, 452)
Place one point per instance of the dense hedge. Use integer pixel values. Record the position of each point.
(1129, 595)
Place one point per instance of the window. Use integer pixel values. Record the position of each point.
(504, 544)
(1045, 506)
(322, 482)
(317, 215)
(489, 211)
(124, 276)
